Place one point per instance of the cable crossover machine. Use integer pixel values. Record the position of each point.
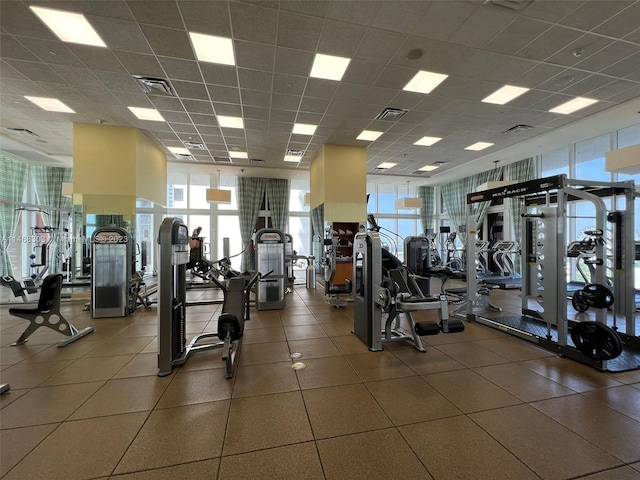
(592, 338)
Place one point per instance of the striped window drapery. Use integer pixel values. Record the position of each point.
(278, 191)
(428, 210)
(250, 196)
(13, 181)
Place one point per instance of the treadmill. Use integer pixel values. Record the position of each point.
(507, 279)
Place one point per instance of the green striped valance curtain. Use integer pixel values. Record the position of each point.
(250, 194)
(278, 194)
(13, 181)
(454, 196)
(428, 210)
(48, 185)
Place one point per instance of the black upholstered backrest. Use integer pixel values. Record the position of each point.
(50, 293)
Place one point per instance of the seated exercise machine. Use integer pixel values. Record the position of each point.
(336, 290)
(173, 349)
(47, 314)
(40, 256)
(19, 289)
(394, 292)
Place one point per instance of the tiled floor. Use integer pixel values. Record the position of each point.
(477, 405)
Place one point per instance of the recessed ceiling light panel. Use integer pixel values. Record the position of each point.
(424, 82)
(369, 135)
(304, 129)
(428, 168)
(505, 94)
(573, 105)
(238, 154)
(179, 150)
(209, 48)
(68, 26)
(50, 104)
(147, 114)
(427, 141)
(386, 165)
(230, 122)
(476, 147)
(292, 158)
(329, 67)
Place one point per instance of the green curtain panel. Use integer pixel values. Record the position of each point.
(521, 171)
(250, 194)
(48, 184)
(278, 194)
(428, 210)
(13, 181)
(454, 196)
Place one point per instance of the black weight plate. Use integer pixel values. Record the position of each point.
(577, 300)
(596, 340)
(597, 296)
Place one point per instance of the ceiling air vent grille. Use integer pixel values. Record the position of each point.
(295, 152)
(256, 161)
(21, 131)
(182, 156)
(420, 172)
(517, 129)
(194, 146)
(222, 159)
(154, 86)
(518, 5)
(391, 114)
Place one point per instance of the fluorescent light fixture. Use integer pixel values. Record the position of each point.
(476, 147)
(147, 114)
(304, 129)
(179, 150)
(407, 203)
(329, 67)
(428, 168)
(215, 195)
(230, 122)
(386, 165)
(292, 158)
(573, 105)
(210, 48)
(427, 141)
(233, 154)
(370, 135)
(424, 82)
(69, 26)
(50, 104)
(505, 94)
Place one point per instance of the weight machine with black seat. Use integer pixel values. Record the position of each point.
(544, 265)
(173, 349)
(394, 292)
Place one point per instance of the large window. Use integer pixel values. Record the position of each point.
(589, 158)
(555, 162)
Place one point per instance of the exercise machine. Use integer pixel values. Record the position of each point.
(40, 256)
(112, 269)
(507, 278)
(393, 292)
(47, 314)
(19, 289)
(173, 349)
(337, 290)
(270, 263)
(544, 320)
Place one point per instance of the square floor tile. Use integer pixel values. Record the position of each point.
(177, 435)
(299, 332)
(325, 372)
(432, 361)
(469, 391)
(264, 379)
(378, 366)
(337, 329)
(342, 410)
(299, 461)
(410, 400)
(263, 335)
(47, 404)
(126, 395)
(314, 348)
(89, 369)
(573, 375)
(10, 355)
(18, 442)
(302, 319)
(514, 349)
(257, 423)
(381, 454)
(203, 469)
(523, 383)
(142, 365)
(197, 386)
(263, 321)
(64, 453)
(29, 375)
(456, 448)
(349, 344)
(531, 435)
(471, 354)
(263, 353)
(625, 399)
(620, 473)
(590, 418)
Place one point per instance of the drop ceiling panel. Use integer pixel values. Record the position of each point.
(256, 56)
(177, 69)
(168, 42)
(254, 23)
(120, 34)
(291, 24)
(591, 14)
(340, 39)
(206, 17)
